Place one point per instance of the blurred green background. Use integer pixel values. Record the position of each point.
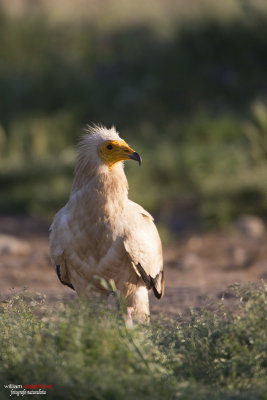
(184, 82)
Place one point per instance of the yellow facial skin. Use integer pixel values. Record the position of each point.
(113, 151)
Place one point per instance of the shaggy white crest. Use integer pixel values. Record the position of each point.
(102, 132)
(93, 136)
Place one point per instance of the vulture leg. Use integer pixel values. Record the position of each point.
(129, 319)
(137, 304)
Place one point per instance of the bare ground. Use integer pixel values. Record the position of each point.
(198, 267)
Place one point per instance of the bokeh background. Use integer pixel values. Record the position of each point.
(183, 81)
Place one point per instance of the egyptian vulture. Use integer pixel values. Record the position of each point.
(100, 232)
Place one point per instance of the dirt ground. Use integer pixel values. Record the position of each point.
(197, 267)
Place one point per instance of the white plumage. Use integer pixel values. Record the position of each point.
(100, 232)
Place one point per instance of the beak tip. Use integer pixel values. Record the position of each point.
(135, 156)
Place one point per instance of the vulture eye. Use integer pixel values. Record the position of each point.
(109, 147)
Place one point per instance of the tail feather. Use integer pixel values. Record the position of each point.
(59, 277)
(157, 283)
(158, 287)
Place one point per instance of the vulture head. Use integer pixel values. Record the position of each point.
(113, 151)
(104, 146)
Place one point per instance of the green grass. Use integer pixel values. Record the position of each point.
(87, 352)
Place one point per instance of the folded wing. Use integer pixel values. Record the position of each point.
(143, 246)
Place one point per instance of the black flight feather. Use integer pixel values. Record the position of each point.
(59, 277)
(149, 281)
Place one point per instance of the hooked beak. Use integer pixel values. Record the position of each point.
(135, 156)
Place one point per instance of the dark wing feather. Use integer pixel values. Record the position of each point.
(152, 283)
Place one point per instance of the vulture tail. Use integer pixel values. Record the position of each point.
(59, 277)
(157, 283)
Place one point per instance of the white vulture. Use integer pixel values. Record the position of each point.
(100, 232)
